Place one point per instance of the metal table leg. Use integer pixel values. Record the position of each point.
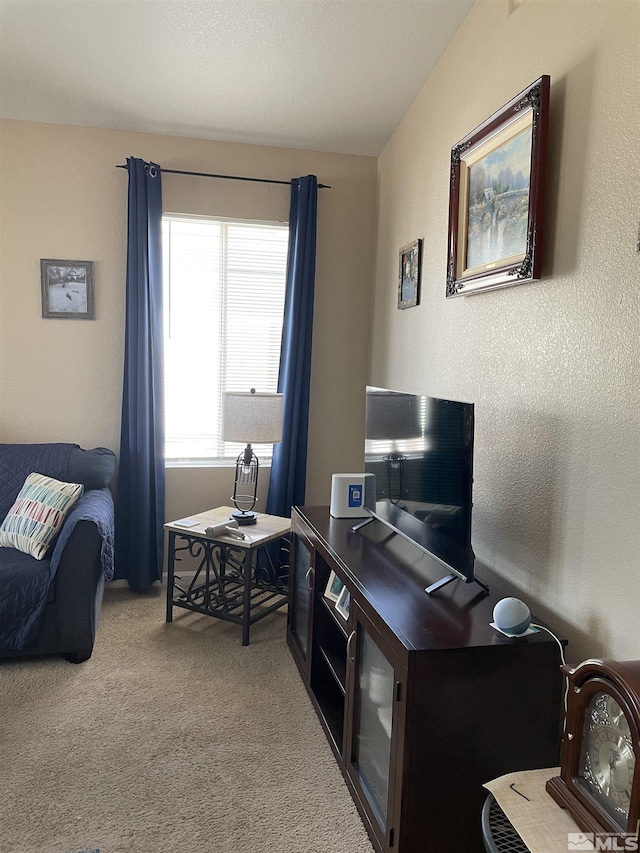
(170, 574)
(246, 609)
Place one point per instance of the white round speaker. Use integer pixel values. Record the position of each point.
(512, 616)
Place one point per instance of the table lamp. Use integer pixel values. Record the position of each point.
(252, 417)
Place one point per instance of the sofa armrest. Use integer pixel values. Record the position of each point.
(70, 618)
(95, 506)
(78, 564)
(76, 580)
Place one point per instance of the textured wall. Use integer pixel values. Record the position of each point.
(552, 366)
(62, 197)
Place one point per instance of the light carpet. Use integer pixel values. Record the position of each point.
(172, 738)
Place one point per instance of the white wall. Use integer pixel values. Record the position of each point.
(62, 197)
(552, 366)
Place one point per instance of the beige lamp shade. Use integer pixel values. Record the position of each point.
(392, 415)
(252, 417)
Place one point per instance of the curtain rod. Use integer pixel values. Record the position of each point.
(226, 177)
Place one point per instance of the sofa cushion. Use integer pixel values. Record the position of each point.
(93, 468)
(25, 584)
(38, 514)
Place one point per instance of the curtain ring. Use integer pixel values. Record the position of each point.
(150, 170)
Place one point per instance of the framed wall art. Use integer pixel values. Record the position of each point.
(67, 289)
(334, 587)
(409, 275)
(496, 196)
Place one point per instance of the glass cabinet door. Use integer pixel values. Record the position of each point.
(370, 759)
(300, 610)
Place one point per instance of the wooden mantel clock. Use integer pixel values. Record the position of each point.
(599, 782)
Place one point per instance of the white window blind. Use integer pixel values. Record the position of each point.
(224, 300)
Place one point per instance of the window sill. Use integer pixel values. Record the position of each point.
(208, 463)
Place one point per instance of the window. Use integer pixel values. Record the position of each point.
(224, 301)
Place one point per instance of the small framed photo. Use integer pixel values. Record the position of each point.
(343, 603)
(67, 289)
(409, 275)
(496, 196)
(334, 587)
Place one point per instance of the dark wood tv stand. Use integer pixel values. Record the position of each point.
(421, 700)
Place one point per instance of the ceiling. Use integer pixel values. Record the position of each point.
(330, 75)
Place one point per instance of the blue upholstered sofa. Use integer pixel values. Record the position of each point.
(51, 606)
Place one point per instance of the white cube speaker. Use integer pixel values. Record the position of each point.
(352, 495)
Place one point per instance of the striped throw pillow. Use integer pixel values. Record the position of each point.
(38, 514)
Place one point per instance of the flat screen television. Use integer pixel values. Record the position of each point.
(420, 451)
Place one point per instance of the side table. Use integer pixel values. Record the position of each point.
(228, 582)
(519, 816)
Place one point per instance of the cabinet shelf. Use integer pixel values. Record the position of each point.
(330, 698)
(339, 620)
(337, 666)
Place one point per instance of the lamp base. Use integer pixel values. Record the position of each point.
(244, 518)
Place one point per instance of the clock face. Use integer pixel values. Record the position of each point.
(607, 762)
(616, 715)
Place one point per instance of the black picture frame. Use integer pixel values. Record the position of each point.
(409, 274)
(67, 289)
(496, 213)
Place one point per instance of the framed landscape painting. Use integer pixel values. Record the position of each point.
(496, 196)
(67, 289)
